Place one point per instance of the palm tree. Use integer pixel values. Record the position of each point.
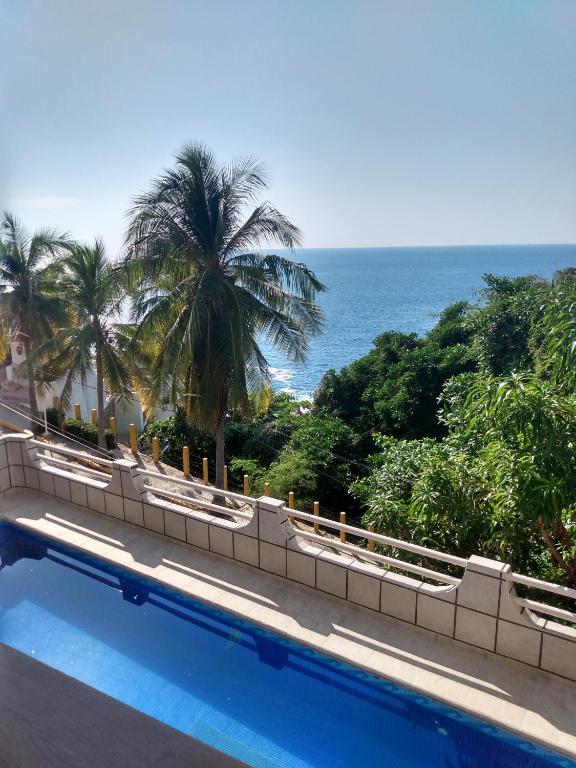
(201, 286)
(28, 302)
(92, 291)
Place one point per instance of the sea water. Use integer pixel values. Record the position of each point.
(371, 290)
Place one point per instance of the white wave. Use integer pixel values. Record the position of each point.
(285, 375)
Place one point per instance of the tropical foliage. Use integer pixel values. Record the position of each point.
(29, 302)
(91, 292)
(200, 283)
(503, 480)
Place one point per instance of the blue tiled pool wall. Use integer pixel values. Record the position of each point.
(468, 734)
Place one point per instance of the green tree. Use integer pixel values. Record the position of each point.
(200, 284)
(28, 302)
(91, 289)
(394, 389)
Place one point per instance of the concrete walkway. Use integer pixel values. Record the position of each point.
(50, 720)
(539, 706)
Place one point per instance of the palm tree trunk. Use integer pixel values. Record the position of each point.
(100, 390)
(33, 402)
(220, 452)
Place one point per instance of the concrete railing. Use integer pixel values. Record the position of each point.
(476, 603)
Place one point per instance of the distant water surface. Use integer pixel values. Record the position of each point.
(371, 290)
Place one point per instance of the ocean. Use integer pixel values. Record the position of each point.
(371, 290)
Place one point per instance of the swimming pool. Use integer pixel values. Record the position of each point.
(252, 694)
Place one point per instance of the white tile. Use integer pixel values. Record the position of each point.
(154, 518)
(114, 505)
(330, 578)
(133, 512)
(364, 590)
(475, 628)
(78, 493)
(301, 567)
(436, 615)
(197, 533)
(518, 642)
(246, 549)
(221, 541)
(62, 488)
(273, 558)
(96, 499)
(398, 601)
(46, 480)
(175, 525)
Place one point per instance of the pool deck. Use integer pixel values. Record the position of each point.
(50, 720)
(538, 706)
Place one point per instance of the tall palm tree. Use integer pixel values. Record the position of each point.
(28, 301)
(92, 292)
(200, 284)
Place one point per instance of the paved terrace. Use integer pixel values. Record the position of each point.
(531, 702)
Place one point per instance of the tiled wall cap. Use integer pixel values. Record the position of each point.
(336, 557)
(125, 464)
(304, 547)
(439, 591)
(270, 503)
(488, 567)
(400, 580)
(367, 568)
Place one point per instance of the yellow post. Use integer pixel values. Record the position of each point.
(112, 425)
(205, 470)
(266, 489)
(291, 504)
(56, 402)
(343, 522)
(94, 416)
(317, 513)
(155, 450)
(186, 460)
(246, 485)
(371, 543)
(77, 411)
(225, 477)
(133, 439)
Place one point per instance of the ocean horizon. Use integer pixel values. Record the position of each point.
(371, 290)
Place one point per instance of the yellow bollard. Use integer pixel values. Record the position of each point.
(133, 439)
(155, 450)
(56, 402)
(186, 460)
(266, 489)
(112, 425)
(94, 416)
(371, 543)
(246, 485)
(343, 522)
(316, 509)
(225, 477)
(77, 411)
(205, 470)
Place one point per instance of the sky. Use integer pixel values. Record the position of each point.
(382, 122)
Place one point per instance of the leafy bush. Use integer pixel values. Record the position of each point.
(88, 431)
(53, 417)
(174, 433)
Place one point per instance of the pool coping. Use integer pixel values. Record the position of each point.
(362, 637)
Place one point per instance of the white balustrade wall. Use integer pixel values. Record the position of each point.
(480, 606)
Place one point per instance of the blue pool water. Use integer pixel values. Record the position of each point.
(247, 692)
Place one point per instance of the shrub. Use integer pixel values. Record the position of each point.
(174, 433)
(88, 431)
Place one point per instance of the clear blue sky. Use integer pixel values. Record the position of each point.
(383, 122)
